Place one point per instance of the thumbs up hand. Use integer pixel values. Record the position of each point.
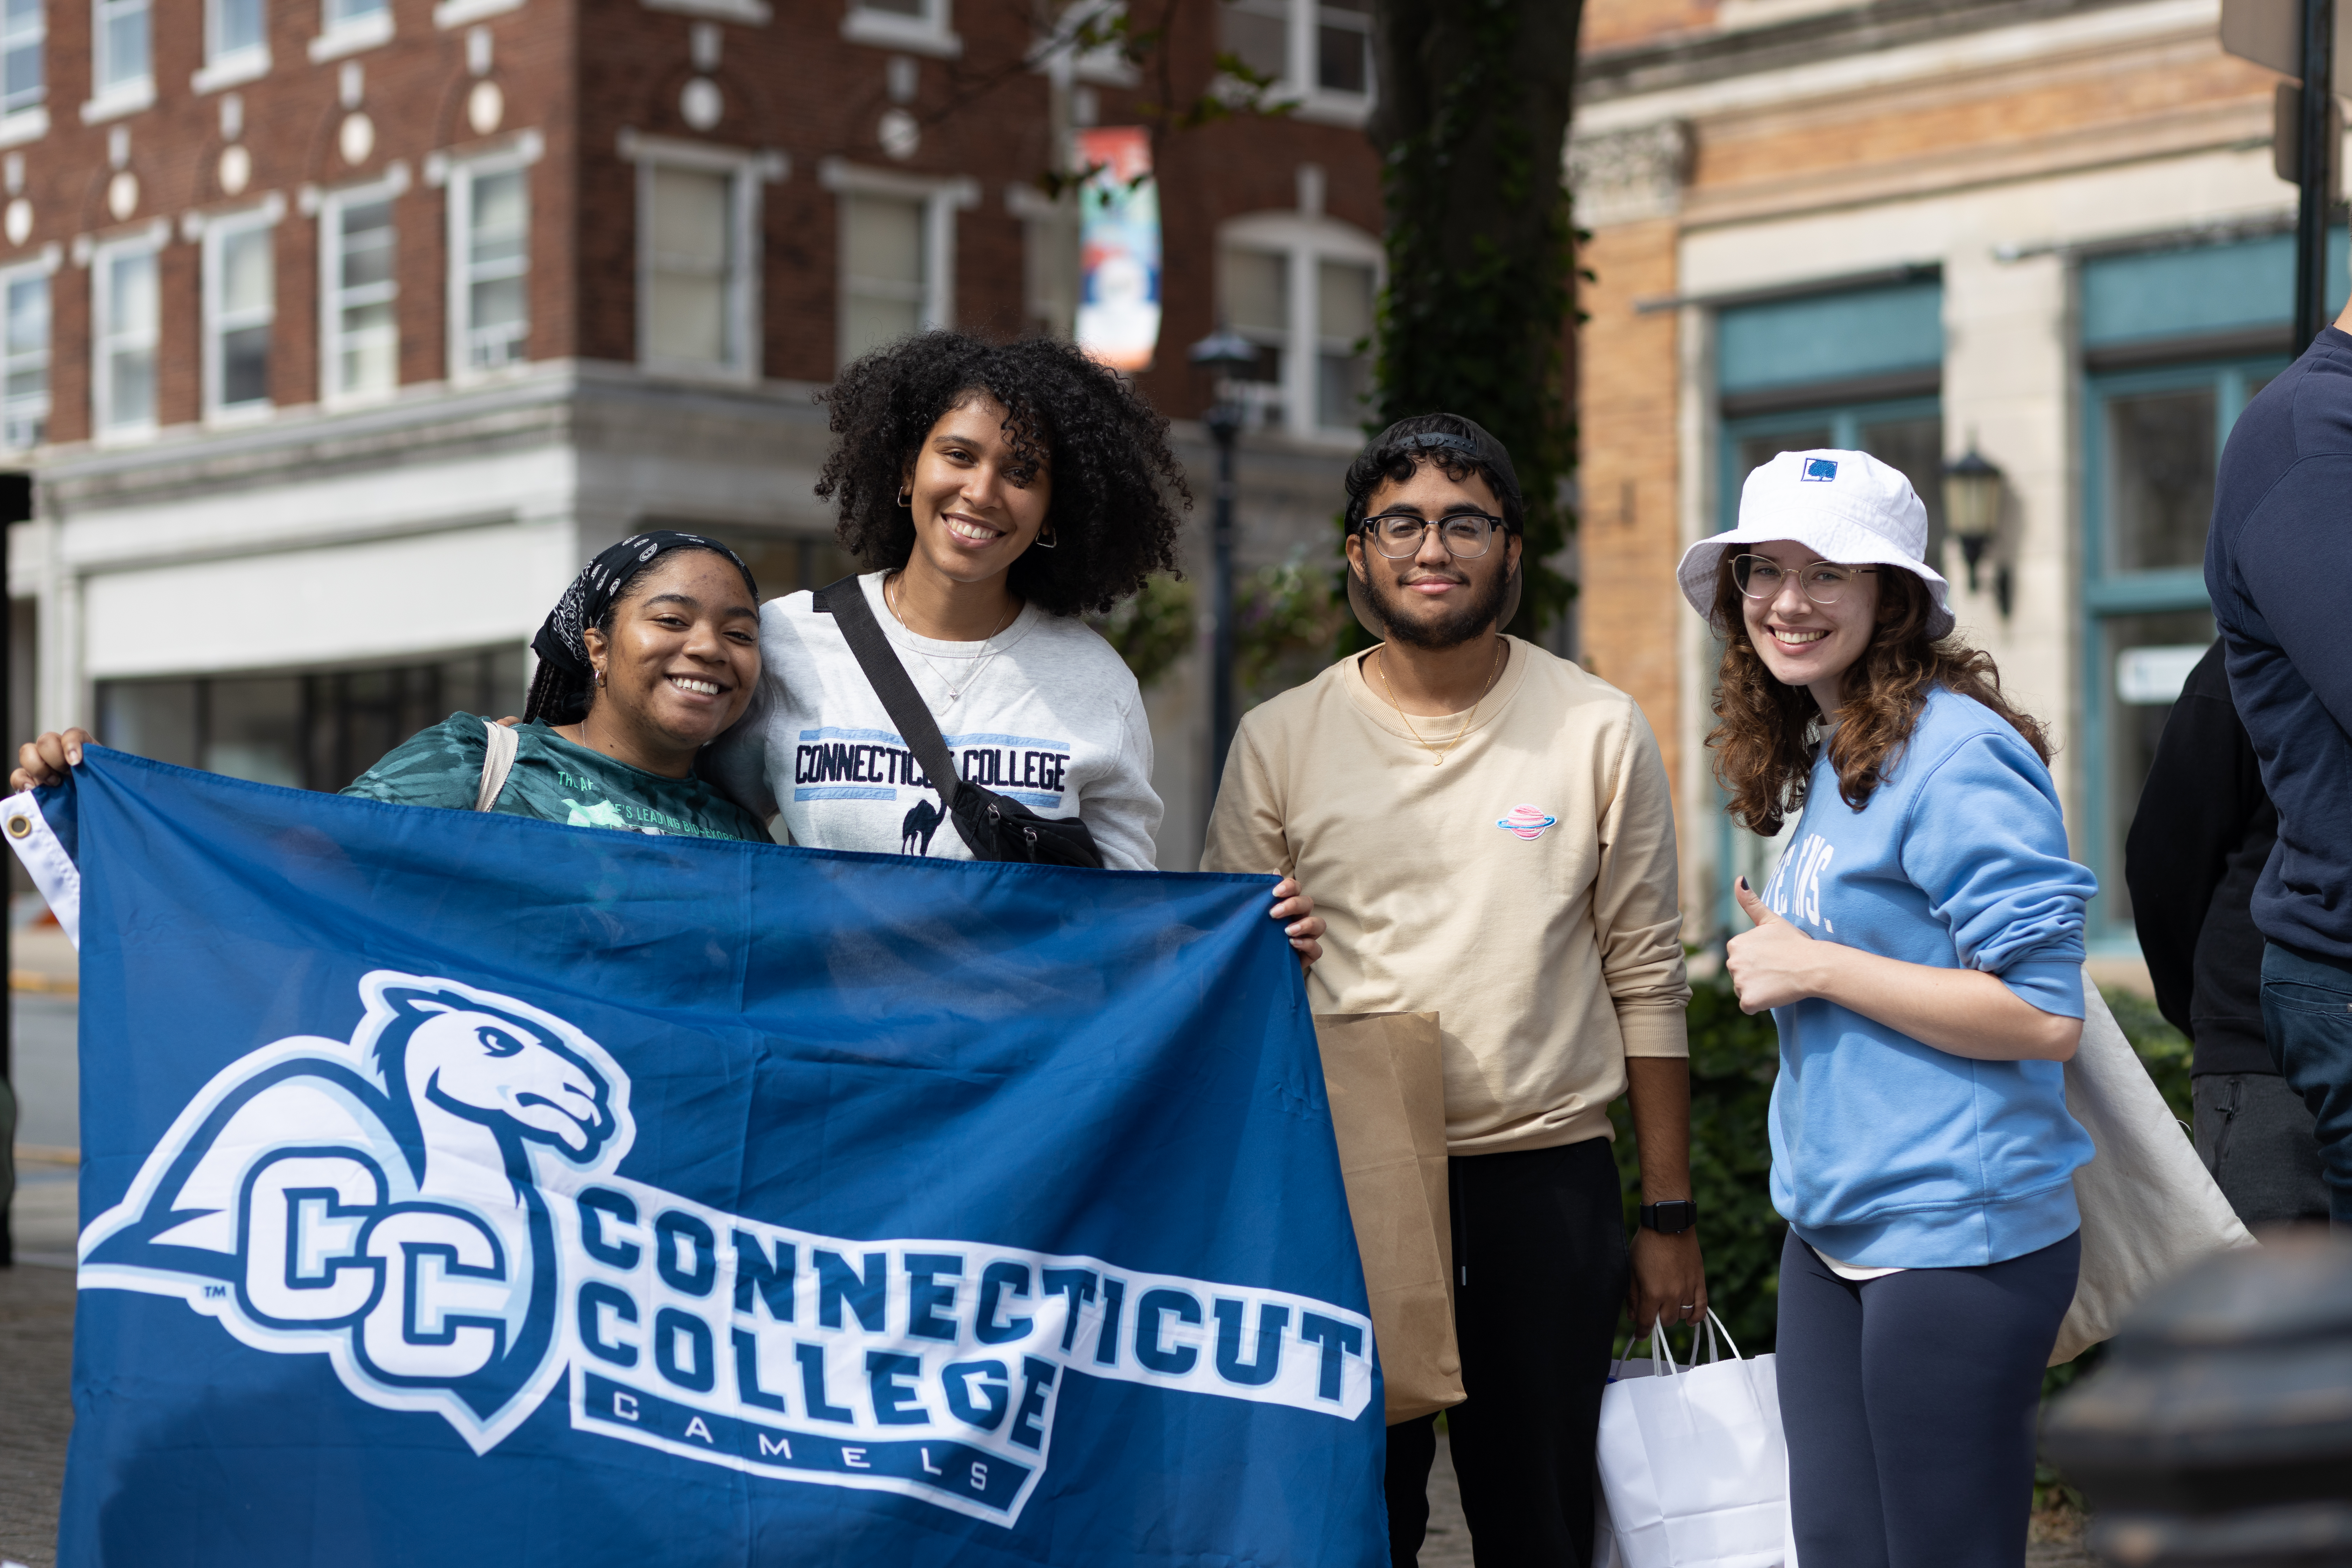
(1773, 966)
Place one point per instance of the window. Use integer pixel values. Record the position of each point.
(23, 28)
(236, 28)
(1320, 50)
(490, 266)
(695, 269)
(897, 258)
(882, 272)
(1343, 322)
(123, 301)
(347, 27)
(359, 330)
(24, 358)
(2174, 344)
(118, 33)
(1303, 289)
(236, 43)
(240, 304)
(921, 25)
(310, 731)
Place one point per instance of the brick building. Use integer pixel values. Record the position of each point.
(2045, 230)
(338, 332)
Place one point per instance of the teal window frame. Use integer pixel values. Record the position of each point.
(2107, 593)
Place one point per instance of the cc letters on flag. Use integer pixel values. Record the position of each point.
(459, 1189)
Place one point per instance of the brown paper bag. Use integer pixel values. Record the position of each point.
(1385, 1077)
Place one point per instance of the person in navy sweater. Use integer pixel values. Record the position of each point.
(2278, 565)
(1920, 947)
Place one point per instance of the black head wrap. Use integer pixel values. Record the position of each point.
(559, 691)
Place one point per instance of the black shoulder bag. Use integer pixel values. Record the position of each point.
(994, 826)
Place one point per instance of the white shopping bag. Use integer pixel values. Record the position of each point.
(1693, 1472)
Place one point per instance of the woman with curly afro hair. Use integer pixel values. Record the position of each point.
(993, 492)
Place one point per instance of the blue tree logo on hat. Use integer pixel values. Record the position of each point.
(1821, 470)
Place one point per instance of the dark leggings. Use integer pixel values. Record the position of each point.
(1909, 1403)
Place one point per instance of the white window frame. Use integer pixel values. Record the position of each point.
(747, 172)
(1305, 242)
(30, 120)
(132, 94)
(46, 269)
(1315, 101)
(517, 158)
(227, 67)
(931, 33)
(331, 266)
(218, 229)
(346, 35)
(148, 241)
(941, 199)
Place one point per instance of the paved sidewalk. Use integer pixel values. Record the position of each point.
(36, 1303)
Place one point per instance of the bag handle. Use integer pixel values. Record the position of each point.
(1658, 1340)
(497, 762)
(845, 601)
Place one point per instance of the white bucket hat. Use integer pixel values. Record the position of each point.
(1848, 507)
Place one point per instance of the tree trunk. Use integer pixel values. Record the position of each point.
(1471, 124)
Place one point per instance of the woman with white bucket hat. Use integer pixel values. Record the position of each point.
(1920, 946)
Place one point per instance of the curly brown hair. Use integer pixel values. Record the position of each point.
(1764, 735)
(1104, 448)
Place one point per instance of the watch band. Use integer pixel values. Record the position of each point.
(1671, 1217)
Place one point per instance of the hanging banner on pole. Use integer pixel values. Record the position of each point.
(1118, 248)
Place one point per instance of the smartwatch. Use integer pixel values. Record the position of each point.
(1672, 1218)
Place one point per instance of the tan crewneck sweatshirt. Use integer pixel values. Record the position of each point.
(1524, 889)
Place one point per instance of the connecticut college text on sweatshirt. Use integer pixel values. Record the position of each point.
(1044, 713)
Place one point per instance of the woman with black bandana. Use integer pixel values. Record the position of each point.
(650, 654)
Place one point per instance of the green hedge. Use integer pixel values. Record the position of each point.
(1733, 1060)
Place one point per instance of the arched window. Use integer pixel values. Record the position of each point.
(1302, 287)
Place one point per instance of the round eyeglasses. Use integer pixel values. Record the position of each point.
(1398, 534)
(1823, 582)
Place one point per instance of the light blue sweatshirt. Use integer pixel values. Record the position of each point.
(1888, 1152)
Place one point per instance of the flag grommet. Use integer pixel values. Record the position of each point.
(19, 826)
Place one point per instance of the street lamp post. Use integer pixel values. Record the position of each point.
(1223, 354)
(1972, 511)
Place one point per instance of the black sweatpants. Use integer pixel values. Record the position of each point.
(1540, 1280)
(1909, 1401)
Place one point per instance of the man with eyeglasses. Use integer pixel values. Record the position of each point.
(1488, 832)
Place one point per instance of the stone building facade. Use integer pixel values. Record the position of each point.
(340, 333)
(2045, 230)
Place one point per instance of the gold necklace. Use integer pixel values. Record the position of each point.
(1390, 693)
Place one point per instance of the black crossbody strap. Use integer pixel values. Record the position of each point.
(845, 601)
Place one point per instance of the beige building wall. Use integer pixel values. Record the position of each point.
(1715, 157)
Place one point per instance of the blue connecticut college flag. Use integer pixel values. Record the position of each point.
(465, 1189)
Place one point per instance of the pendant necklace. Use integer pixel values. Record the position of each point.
(954, 691)
(1467, 719)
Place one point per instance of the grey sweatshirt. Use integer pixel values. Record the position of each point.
(1044, 713)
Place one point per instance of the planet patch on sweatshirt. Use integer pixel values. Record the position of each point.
(1526, 822)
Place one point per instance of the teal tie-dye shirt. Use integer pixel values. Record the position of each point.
(553, 779)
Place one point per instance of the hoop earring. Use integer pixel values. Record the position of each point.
(600, 675)
(1047, 540)
(905, 497)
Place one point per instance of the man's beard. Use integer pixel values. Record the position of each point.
(1451, 629)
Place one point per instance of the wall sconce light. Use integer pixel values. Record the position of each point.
(1972, 513)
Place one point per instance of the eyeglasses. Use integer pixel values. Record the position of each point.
(1398, 534)
(1759, 577)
